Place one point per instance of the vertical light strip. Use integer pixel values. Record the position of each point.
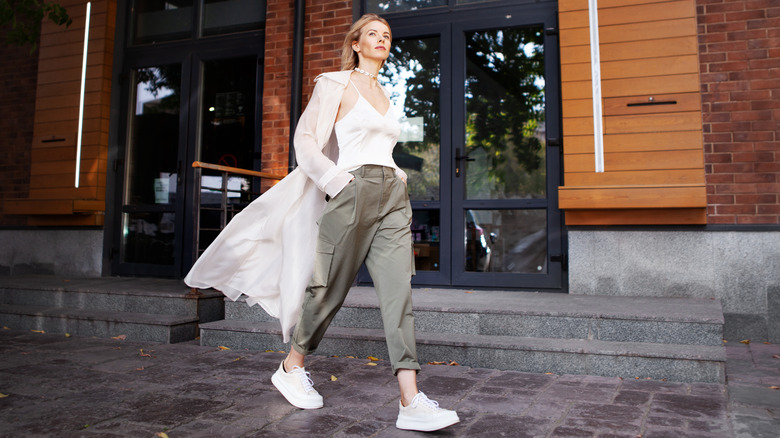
(81, 99)
(595, 72)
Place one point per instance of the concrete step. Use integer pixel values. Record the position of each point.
(113, 294)
(682, 363)
(536, 315)
(100, 323)
(149, 309)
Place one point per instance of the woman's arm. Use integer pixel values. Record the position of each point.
(308, 152)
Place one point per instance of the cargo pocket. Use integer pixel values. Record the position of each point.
(322, 263)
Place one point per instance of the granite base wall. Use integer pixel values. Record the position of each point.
(740, 268)
(51, 252)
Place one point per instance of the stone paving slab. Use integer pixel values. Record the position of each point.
(87, 387)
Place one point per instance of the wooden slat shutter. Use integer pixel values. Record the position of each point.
(653, 147)
(53, 198)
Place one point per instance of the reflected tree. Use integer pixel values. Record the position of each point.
(505, 101)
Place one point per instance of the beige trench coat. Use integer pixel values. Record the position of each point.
(267, 251)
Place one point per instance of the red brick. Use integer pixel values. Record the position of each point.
(751, 178)
(735, 209)
(768, 209)
(754, 199)
(736, 188)
(721, 199)
(755, 220)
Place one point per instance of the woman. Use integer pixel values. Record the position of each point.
(343, 144)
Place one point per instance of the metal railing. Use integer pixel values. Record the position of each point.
(231, 200)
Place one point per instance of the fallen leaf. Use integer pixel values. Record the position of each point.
(6, 328)
(774, 387)
(223, 348)
(67, 335)
(162, 434)
(3, 395)
(145, 354)
(238, 358)
(120, 337)
(663, 380)
(37, 331)
(350, 357)
(269, 351)
(468, 292)
(768, 343)
(436, 363)
(139, 369)
(725, 341)
(453, 363)
(282, 351)
(333, 378)
(373, 358)
(334, 355)
(746, 341)
(549, 373)
(371, 364)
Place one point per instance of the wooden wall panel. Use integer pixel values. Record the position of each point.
(52, 190)
(651, 105)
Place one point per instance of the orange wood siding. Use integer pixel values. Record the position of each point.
(52, 190)
(653, 154)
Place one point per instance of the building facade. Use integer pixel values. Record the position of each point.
(672, 189)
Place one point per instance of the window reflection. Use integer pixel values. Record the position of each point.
(148, 238)
(156, 21)
(412, 75)
(154, 141)
(383, 6)
(505, 124)
(227, 16)
(426, 236)
(506, 241)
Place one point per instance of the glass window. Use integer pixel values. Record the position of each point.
(148, 237)
(412, 75)
(505, 120)
(506, 241)
(227, 16)
(425, 234)
(384, 6)
(152, 157)
(154, 21)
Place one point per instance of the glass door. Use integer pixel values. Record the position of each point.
(477, 98)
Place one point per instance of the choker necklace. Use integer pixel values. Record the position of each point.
(363, 72)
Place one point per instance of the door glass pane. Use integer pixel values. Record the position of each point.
(227, 16)
(412, 75)
(227, 138)
(506, 241)
(384, 6)
(148, 237)
(152, 162)
(425, 234)
(152, 158)
(505, 124)
(154, 21)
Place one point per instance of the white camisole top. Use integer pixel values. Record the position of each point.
(366, 137)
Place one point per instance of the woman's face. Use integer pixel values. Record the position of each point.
(374, 42)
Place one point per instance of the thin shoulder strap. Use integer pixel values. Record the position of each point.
(356, 88)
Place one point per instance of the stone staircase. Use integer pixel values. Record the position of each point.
(678, 339)
(142, 309)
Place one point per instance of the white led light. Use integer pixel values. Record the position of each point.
(81, 99)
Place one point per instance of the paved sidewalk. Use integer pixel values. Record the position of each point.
(72, 387)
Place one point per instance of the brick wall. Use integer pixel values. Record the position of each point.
(326, 23)
(739, 51)
(18, 81)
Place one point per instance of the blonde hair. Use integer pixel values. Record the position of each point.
(349, 58)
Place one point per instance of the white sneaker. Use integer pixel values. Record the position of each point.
(297, 387)
(424, 415)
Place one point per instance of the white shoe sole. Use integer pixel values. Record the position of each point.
(423, 425)
(290, 395)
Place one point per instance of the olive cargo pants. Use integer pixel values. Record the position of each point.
(368, 221)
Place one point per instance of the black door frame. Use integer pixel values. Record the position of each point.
(190, 54)
(450, 24)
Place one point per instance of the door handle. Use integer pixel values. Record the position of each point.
(458, 159)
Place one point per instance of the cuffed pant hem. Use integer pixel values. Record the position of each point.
(406, 366)
(300, 349)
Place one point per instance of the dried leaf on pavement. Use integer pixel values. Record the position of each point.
(436, 362)
(3, 395)
(162, 434)
(453, 363)
(223, 348)
(774, 387)
(38, 331)
(746, 341)
(373, 358)
(333, 378)
(371, 364)
(120, 337)
(145, 354)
